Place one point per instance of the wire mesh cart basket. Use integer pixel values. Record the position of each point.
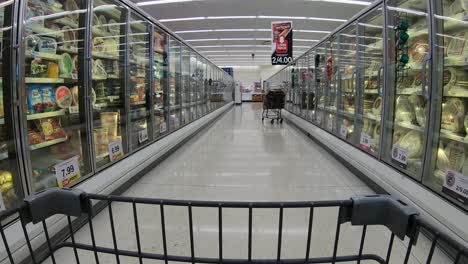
(400, 221)
(273, 102)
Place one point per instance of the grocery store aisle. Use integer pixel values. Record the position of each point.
(241, 159)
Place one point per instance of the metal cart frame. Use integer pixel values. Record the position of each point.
(400, 219)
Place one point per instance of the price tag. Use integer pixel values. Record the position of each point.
(73, 109)
(456, 185)
(365, 141)
(67, 172)
(143, 135)
(330, 124)
(344, 131)
(115, 150)
(162, 127)
(400, 156)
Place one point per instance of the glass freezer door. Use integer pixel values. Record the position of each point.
(11, 189)
(311, 88)
(174, 84)
(331, 87)
(52, 86)
(193, 85)
(448, 167)
(185, 87)
(109, 81)
(408, 85)
(160, 74)
(320, 77)
(139, 81)
(347, 101)
(370, 80)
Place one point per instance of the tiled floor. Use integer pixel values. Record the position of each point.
(241, 159)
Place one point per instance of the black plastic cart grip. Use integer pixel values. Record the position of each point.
(43, 205)
(383, 210)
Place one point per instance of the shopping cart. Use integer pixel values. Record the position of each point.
(273, 102)
(400, 220)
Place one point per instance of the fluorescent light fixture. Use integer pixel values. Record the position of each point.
(252, 17)
(349, 2)
(196, 40)
(194, 31)
(306, 40)
(407, 10)
(327, 19)
(282, 17)
(160, 2)
(237, 55)
(236, 51)
(234, 30)
(230, 17)
(311, 31)
(181, 19)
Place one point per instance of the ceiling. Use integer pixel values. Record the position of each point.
(229, 31)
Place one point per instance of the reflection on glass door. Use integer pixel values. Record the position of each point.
(160, 73)
(370, 84)
(139, 81)
(53, 92)
(331, 87)
(408, 93)
(185, 86)
(199, 76)
(348, 92)
(449, 161)
(10, 183)
(319, 61)
(311, 89)
(193, 86)
(174, 84)
(108, 79)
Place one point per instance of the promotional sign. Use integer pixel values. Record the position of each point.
(281, 42)
(67, 172)
(115, 150)
(456, 185)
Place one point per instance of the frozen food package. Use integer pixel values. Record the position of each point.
(35, 99)
(48, 98)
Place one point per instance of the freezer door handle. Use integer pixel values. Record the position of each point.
(427, 58)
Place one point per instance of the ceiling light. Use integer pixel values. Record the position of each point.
(282, 17)
(195, 40)
(251, 17)
(194, 31)
(159, 2)
(234, 30)
(181, 19)
(312, 31)
(230, 17)
(235, 51)
(350, 2)
(327, 19)
(307, 40)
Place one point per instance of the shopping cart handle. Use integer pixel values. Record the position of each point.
(384, 210)
(41, 206)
